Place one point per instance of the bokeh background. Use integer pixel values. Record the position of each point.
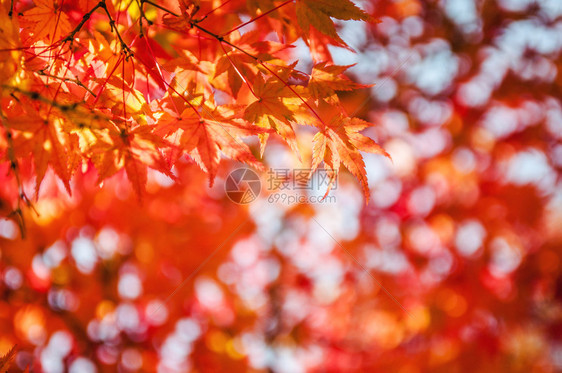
(454, 265)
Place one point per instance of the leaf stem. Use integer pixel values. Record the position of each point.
(36, 96)
(123, 90)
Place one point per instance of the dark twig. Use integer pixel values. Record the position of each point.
(142, 15)
(17, 213)
(38, 97)
(75, 81)
(11, 9)
(85, 18)
(124, 46)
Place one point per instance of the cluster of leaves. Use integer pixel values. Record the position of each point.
(130, 85)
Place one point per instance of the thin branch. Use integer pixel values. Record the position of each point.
(36, 96)
(75, 81)
(19, 48)
(140, 4)
(17, 213)
(85, 18)
(65, 109)
(221, 39)
(11, 9)
(296, 93)
(124, 45)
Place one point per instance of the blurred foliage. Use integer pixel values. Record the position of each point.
(454, 265)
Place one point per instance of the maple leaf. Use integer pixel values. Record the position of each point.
(49, 143)
(326, 79)
(134, 150)
(55, 148)
(101, 57)
(188, 10)
(281, 20)
(147, 53)
(190, 75)
(270, 111)
(6, 360)
(46, 21)
(241, 66)
(210, 131)
(133, 93)
(10, 57)
(318, 13)
(340, 142)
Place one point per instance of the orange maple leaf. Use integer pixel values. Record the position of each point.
(240, 65)
(318, 14)
(49, 143)
(188, 9)
(205, 134)
(46, 21)
(10, 57)
(134, 150)
(270, 111)
(6, 360)
(340, 142)
(326, 79)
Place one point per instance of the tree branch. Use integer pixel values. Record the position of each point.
(75, 81)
